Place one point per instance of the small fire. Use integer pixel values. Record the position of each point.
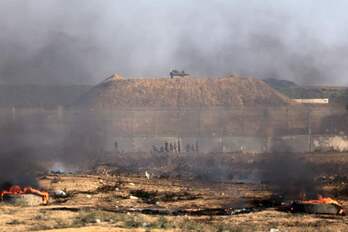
(322, 200)
(322, 205)
(15, 190)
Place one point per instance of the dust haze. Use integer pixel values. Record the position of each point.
(81, 42)
(51, 42)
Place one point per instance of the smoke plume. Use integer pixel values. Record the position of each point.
(52, 42)
(18, 158)
(289, 175)
(74, 42)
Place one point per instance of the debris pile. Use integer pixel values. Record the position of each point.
(323, 205)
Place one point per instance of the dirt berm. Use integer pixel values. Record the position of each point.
(116, 92)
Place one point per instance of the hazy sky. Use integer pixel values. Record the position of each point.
(85, 41)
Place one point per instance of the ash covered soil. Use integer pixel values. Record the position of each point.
(105, 201)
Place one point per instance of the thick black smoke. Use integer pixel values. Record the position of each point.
(18, 158)
(289, 175)
(31, 144)
(83, 143)
(64, 42)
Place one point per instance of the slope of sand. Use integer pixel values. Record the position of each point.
(116, 92)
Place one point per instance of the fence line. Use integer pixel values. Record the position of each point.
(217, 129)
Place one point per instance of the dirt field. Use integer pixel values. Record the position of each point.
(107, 202)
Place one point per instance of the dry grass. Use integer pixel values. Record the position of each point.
(92, 197)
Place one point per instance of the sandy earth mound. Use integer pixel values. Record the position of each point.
(117, 92)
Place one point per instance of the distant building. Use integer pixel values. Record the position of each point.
(312, 101)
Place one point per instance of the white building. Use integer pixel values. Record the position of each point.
(312, 101)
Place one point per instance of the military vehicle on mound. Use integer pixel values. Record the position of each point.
(176, 73)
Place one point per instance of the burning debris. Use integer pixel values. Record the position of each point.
(192, 137)
(323, 205)
(16, 190)
(289, 175)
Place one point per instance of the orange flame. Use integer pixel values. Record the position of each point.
(322, 200)
(15, 189)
